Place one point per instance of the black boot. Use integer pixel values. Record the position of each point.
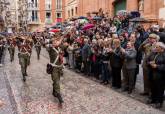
(54, 93)
(60, 98)
(24, 79)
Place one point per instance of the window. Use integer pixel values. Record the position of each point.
(59, 15)
(76, 9)
(59, 4)
(68, 13)
(36, 3)
(34, 15)
(48, 15)
(72, 12)
(141, 5)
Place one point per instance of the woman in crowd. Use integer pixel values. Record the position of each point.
(156, 64)
(105, 56)
(129, 65)
(95, 59)
(70, 53)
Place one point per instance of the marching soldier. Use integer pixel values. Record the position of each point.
(24, 56)
(38, 44)
(30, 46)
(56, 60)
(11, 47)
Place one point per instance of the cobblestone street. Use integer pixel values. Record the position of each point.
(81, 95)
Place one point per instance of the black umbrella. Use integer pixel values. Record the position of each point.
(138, 19)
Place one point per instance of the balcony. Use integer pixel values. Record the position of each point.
(33, 6)
(48, 21)
(33, 21)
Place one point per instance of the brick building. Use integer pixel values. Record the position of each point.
(148, 8)
(71, 8)
(43, 13)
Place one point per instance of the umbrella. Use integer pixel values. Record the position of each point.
(1, 36)
(57, 25)
(138, 19)
(52, 33)
(82, 21)
(97, 18)
(134, 14)
(122, 12)
(55, 30)
(87, 26)
(82, 17)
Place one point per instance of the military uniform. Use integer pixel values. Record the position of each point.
(11, 48)
(30, 46)
(56, 62)
(38, 47)
(24, 57)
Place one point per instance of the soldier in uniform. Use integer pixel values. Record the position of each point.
(24, 56)
(56, 60)
(38, 44)
(30, 46)
(11, 47)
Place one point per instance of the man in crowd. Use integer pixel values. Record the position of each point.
(147, 47)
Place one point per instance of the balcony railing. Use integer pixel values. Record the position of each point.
(34, 21)
(48, 21)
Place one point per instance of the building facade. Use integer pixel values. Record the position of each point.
(22, 15)
(71, 8)
(162, 14)
(43, 13)
(6, 14)
(148, 8)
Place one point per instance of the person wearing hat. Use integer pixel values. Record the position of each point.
(147, 47)
(11, 47)
(38, 44)
(24, 56)
(56, 61)
(29, 42)
(156, 64)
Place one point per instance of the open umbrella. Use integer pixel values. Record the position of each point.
(82, 17)
(122, 12)
(138, 19)
(97, 18)
(82, 21)
(55, 30)
(88, 26)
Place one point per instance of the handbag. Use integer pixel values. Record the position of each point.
(49, 68)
